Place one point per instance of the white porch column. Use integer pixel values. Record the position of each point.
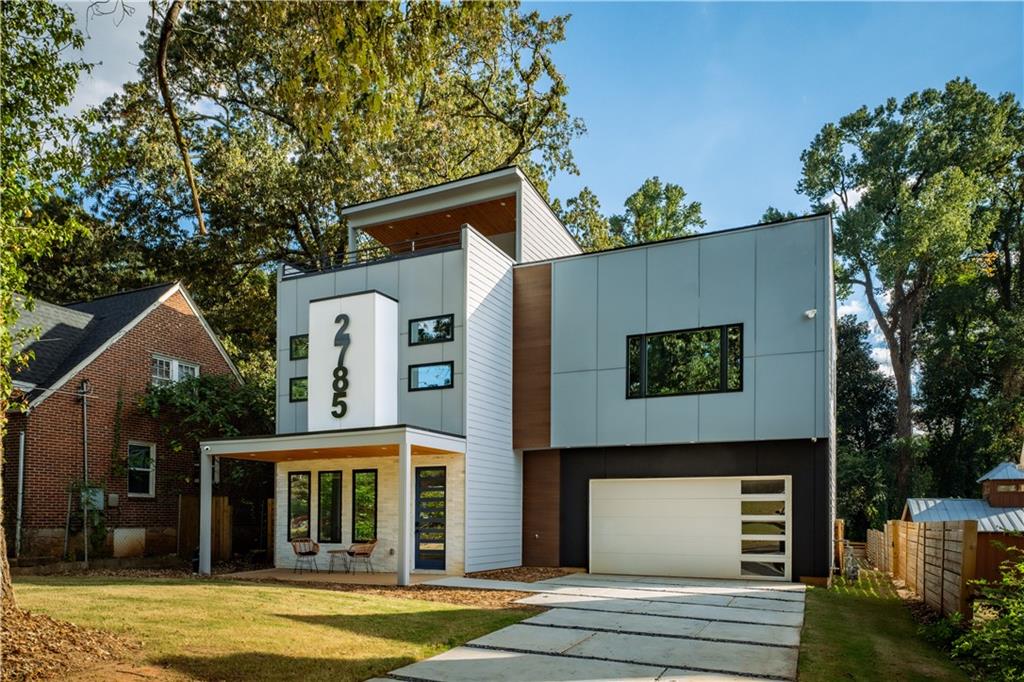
(205, 510)
(404, 546)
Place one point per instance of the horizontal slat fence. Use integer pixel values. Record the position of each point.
(934, 560)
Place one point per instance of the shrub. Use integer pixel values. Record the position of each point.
(994, 645)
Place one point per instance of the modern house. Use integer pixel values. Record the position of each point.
(107, 351)
(473, 392)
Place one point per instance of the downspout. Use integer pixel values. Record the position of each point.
(84, 391)
(21, 493)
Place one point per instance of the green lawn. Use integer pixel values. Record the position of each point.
(862, 631)
(243, 631)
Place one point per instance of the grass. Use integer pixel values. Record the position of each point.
(244, 631)
(862, 631)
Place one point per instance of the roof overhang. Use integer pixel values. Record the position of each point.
(382, 441)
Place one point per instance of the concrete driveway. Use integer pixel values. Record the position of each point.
(630, 628)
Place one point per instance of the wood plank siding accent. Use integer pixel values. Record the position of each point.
(531, 357)
(541, 515)
(497, 216)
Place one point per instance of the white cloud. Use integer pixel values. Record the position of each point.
(881, 356)
(852, 306)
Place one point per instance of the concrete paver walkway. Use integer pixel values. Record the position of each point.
(632, 628)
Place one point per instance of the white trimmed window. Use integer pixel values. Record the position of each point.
(141, 469)
(168, 370)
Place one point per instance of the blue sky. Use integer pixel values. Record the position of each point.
(722, 97)
(718, 97)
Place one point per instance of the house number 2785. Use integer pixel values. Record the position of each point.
(341, 340)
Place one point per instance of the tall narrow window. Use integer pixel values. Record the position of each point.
(141, 470)
(684, 362)
(329, 506)
(364, 505)
(298, 505)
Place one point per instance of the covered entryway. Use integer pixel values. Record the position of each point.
(348, 486)
(691, 527)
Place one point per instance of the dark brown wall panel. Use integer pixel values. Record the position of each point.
(541, 519)
(531, 357)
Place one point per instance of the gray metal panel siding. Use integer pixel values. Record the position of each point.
(541, 234)
(431, 284)
(765, 278)
(493, 468)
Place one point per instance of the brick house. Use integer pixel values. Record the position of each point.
(116, 346)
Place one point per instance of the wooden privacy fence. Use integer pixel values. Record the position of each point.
(935, 560)
(188, 527)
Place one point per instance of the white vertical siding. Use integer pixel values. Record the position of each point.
(493, 468)
(541, 233)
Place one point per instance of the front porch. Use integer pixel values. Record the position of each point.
(402, 487)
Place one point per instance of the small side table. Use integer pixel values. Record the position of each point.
(337, 554)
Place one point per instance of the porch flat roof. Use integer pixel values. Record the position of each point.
(377, 441)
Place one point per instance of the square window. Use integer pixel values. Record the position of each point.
(431, 330)
(298, 347)
(431, 376)
(298, 389)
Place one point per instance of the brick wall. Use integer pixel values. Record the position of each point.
(54, 439)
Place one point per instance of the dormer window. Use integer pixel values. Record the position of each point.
(164, 370)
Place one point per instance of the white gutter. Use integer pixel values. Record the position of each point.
(21, 492)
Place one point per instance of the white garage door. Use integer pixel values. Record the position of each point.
(691, 527)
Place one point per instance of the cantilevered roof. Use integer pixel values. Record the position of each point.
(990, 519)
(1007, 471)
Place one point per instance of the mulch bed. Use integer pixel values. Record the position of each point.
(37, 647)
(523, 574)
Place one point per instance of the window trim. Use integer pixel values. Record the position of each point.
(341, 505)
(449, 363)
(152, 469)
(309, 503)
(291, 382)
(291, 347)
(450, 316)
(723, 356)
(376, 503)
(175, 365)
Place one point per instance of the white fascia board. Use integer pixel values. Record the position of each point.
(57, 385)
(318, 440)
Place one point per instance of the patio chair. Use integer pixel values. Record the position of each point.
(306, 552)
(338, 555)
(363, 551)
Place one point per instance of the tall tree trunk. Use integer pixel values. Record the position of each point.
(6, 589)
(170, 20)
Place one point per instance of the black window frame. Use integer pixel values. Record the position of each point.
(723, 355)
(291, 384)
(319, 507)
(291, 347)
(309, 503)
(450, 316)
(449, 363)
(376, 503)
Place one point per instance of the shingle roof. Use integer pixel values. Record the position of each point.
(1006, 471)
(70, 333)
(990, 519)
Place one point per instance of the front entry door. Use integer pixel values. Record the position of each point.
(430, 517)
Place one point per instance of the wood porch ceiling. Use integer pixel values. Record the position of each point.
(390, 450)
(496, 216)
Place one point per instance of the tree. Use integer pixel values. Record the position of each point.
(37, 164)
(923, 170)
(772, 215)
(865, 426)
(656, 211)
(585, 222)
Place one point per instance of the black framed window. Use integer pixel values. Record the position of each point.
(298, 347)
(328, 510)
(430, 376)
(298, 389)
(437, 329)
(364, 505)
(298, 505)
(685, 362)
